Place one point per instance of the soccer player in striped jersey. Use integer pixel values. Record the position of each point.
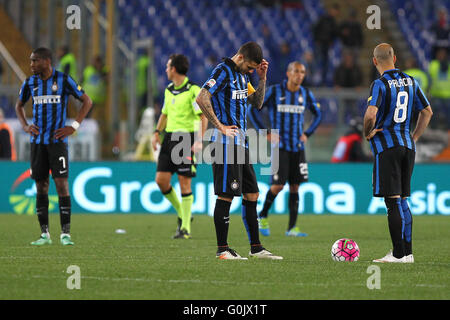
(393, 99)
(224, 100)
(50, 90)
(286, 103)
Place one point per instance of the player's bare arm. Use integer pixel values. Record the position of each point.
(422, 122)
(66, 131)
(204, 102)
(85, 108)
(369, 122)
(160, 126)
(257, 98)
(20, 112)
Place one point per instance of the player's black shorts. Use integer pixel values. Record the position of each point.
(176, 155)
(46, 157)
(292, 167)
(233, 174)
(392, 171)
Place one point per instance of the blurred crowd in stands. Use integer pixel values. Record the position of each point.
(338, 23)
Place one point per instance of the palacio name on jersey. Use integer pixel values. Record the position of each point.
(290, 108)
(47, 99)
(240, 94)
(402, 82)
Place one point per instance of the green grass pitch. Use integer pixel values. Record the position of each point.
(145, 263)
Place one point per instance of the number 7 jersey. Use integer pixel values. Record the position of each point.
(397, 96)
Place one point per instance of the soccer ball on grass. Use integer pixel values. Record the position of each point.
(345, 250)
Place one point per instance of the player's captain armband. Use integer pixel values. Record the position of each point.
(211, 83)
(250, 89)
(370, 98)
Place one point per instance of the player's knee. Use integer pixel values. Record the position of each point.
(42, 186)
(162, 183)
(62, 187)
(251, 196)
(276, 188)
(293, 188)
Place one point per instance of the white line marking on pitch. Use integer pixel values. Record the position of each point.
(228, 282)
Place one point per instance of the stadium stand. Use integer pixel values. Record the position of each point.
(207, 30)
(203, 28)
(416, 18)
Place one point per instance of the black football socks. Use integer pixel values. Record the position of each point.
(250, 219)
(407, 234)
(221, 223)
(65, 210)
(42, 211)
(293, 209)
(270, 197)
(396, 226)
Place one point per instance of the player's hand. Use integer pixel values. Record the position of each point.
(64, 132)
(229, 131)
(372, 133)
(262, 68)
(155, 141)
(197, 146)
(32, 129)
(303, 138)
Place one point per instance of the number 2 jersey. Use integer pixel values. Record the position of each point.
(397, 96)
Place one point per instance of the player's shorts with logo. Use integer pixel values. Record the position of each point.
(392, 171)
(46, 157)
(176, 155)
(292, 167)
(232, 171)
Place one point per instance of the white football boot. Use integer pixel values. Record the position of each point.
(409, 258)
(389, 258)
(229, 254)
(264, 254)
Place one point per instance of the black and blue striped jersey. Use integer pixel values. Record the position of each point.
(396, 95)
(287, 113)
(49, 103)
(229, 89)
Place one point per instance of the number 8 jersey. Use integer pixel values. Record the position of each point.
(397, 96)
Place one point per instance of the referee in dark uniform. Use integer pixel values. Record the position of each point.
(224, 100)
(394, 98)
(286, 104)
(49, 90)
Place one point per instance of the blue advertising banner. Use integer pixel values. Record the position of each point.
(130, 187)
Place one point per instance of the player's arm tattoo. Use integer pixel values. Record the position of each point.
(204, 102)
(257, 98)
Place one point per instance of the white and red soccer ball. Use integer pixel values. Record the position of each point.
(345, 250)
